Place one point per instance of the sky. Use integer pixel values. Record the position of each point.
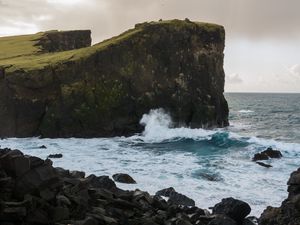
(262, 52)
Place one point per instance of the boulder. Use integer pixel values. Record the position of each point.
(123, 178)
(222, 220)
(263, 164)
(175, 197)
(288, 212)
(55, 156)
(233, 208)
(267, 154)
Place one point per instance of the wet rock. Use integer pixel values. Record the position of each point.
(175, 197)
(101, 182)
(222, 220)
(43, 147)
(123, 178)
(267, 154)
(288, 212)
(233, 208)
(263, 164)
(55, 156)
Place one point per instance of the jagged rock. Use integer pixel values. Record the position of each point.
(263, 164)
(265, 155)
(55, 156)
(105, 89)
(123, 178)
(175, 197)
(102, 182)
(288, 212)
(222, 220)
(233, 208)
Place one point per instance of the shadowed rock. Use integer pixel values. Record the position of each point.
(123, 178)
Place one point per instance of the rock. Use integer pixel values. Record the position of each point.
(155, 65)
(123, 178)
(222, 220)
(175, 197)
(233, 208)
(263, 164)
(102, 182)
(265, 155)
(38, 178)
(43, 146)
(55, 156)
(56, 41)
(288, 212)
(250, 221)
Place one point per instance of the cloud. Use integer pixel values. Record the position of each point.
(295, 70)
(241, 18)
(234, 79)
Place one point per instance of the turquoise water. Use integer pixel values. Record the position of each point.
(206, 165)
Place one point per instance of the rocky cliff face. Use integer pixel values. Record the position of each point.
(104, 90)
(289, 211)
(55, 41)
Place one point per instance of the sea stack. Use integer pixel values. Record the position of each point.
(72, 89)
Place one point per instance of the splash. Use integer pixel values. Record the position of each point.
(159, 127)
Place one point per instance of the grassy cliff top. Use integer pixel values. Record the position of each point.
(22, 53)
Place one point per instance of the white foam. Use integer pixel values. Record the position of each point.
(245, 111)
(158, 127)
(155, 165)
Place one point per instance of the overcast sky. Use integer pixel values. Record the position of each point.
(262, 36)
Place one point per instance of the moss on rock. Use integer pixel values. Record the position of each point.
(104, 89)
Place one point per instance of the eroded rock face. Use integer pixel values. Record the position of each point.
(57, 41)
(104, 90)
(289, 211)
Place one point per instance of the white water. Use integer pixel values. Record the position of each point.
(179, 157)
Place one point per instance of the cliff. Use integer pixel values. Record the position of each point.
(103, 90)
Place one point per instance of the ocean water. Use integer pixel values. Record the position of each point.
(206, 165)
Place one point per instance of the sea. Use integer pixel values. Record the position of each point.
(205, 165)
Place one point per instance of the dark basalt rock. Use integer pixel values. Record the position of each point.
(222, 220)
(55, 156)
(289, 211)
(175, 197)
(233, 208)
(48, 195)
(57, 41)
(267, 154)
(123, 178)
(263, 164)
(104, 90)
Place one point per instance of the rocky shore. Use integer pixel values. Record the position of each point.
(32, 191)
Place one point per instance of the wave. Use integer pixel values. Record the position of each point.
(245, 111)
(159, 128)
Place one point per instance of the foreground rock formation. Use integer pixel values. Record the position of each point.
(103, 90)
(289, 211)
(34, 192)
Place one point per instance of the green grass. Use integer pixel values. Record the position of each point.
(20, 52)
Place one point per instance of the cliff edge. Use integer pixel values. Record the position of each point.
(54, 84)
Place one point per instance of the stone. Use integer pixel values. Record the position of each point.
(233, 208)
(55, 156)
(222, 220)
(175, 197)
(265, 155)
(264, 164)
(123, 178)
(43, 147)
(101, 182)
